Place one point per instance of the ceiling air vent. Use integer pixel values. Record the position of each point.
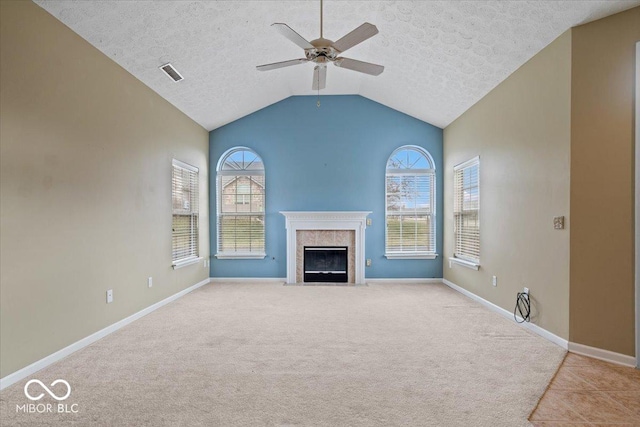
(171, 72)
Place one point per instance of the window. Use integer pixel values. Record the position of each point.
(466, 207)
(410, 204)
(184, 194)
(243, 193)
(241, 198)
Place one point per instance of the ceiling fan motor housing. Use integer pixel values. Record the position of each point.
(322, 51)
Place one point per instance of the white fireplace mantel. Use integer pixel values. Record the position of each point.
(326, 220)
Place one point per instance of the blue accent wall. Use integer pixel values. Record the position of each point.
(330, 158)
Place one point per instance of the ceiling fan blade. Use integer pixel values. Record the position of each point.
(319, 78)
(356, 36)
(275, 65)
(360, 66)
(286, 31)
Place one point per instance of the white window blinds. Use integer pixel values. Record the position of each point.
(240, 204)
(410, 203)
(466, 207)
(184, 194)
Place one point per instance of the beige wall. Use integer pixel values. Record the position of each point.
(85, 204)
(521, 131)
(602, 246)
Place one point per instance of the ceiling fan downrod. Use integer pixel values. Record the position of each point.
(318, 82)
(320, 18)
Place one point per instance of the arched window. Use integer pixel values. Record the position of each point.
(410, 214)
(240, 204)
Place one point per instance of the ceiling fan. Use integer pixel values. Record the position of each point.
(322, 51)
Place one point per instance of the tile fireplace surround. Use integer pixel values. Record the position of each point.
(299, 224)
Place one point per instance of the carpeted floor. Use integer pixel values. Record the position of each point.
(267, 354)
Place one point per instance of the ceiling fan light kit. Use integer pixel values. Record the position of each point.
(322, 51)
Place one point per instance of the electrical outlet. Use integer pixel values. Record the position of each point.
(368, 221)
(494, 280)
(368, 263)
(150, 281)
(109, 296)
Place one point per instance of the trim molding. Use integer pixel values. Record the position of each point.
(637, 206)
(464, 263)
(606, 355)
(282, 280)
(78, 345)
(279, 280)
(184, 263)
(229, 255)
(508, 315)
(418, 281)
(409, 255)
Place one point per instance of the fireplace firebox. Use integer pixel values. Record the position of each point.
(325, 264)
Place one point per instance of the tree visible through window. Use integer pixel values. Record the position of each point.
(410, 204)
(241, 200)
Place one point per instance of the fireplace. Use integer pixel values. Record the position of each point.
(326, 229)
(326, 264)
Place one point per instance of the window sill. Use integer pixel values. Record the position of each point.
(233, 255)
(185, 262)
(469, 264)
(410, 255)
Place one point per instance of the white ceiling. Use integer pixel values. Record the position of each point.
(440, 57)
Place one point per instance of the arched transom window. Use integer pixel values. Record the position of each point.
(240, 204)
(410, 204)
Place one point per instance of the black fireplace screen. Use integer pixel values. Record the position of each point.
(325, 264)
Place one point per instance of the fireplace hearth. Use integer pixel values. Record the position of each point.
(326, 264)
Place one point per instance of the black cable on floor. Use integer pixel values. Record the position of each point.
(523, 308)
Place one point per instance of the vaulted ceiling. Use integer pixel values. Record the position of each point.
(440, 57)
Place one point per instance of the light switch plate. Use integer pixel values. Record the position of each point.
(368, 221)
(558, 222)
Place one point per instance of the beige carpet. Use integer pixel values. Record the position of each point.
(267, 354)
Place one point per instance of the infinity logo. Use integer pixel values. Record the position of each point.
(52, 394)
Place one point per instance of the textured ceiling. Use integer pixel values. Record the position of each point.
(440, 57)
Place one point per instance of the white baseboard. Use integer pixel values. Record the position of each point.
(284, 280)
(509, 315)
(417, 281)
(606, 355)
(248, 279)
(60, 354)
